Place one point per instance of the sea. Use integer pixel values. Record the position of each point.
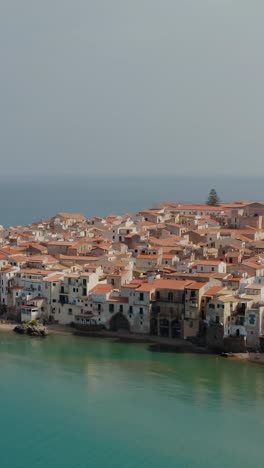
(27, 199)
(75, 402)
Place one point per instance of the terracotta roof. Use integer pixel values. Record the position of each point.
(35, 271)
(213, 291)
(171, 284)
(195, 285)
(254, 286)
(146, 287)
(55, 278)
(102, 289)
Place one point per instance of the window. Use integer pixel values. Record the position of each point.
(70, 311)
(192, 294)
(251, 319)
(111, 307)
(141, 296)
(170, 296)
(141, 311)
(211, 306)
(99, 306)
(53, 284)
(73, 289)
(84, 282)
(217, 319)
(53, 300)
(213, 269)
(121, 308)
(130, 310)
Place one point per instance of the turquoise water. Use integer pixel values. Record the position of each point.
(76, 402)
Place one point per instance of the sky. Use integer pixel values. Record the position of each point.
(139, 87)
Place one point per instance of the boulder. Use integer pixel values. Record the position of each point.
(31, 330)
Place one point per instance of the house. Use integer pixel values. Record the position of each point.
(145, 262)
(192, 312)
(220, 309)
(254, 324)
(93, 308)
(206, 266)
(168, 308)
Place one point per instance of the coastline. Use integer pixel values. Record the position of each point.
(159, 344)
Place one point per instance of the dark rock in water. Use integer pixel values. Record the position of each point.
(31, 330)
(21, 329)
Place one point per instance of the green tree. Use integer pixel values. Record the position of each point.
(213, 199)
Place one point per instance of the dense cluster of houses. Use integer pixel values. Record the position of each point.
(176, 270)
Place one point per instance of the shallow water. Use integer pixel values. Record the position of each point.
(85, 402)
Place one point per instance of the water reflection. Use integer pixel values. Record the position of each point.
(104, 364)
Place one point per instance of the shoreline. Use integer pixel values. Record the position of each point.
(159, 344)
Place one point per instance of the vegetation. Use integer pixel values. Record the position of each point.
(33, 323)
(213, 198)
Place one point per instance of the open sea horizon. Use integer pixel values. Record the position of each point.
(27, 199)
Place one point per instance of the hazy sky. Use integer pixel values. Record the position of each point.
(138, 86)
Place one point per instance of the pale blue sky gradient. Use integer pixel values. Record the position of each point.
(138, 86)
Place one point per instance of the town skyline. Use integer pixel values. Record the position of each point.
(177, 271)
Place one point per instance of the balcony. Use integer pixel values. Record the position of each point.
(64, 299)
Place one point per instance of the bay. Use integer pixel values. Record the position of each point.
(83, 402)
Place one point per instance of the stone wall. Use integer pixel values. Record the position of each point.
(214, 337)
(234, 344)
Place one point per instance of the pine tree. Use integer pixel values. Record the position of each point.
(213, 199)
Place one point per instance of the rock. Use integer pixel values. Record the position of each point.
(21, 329)
(31, 330)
